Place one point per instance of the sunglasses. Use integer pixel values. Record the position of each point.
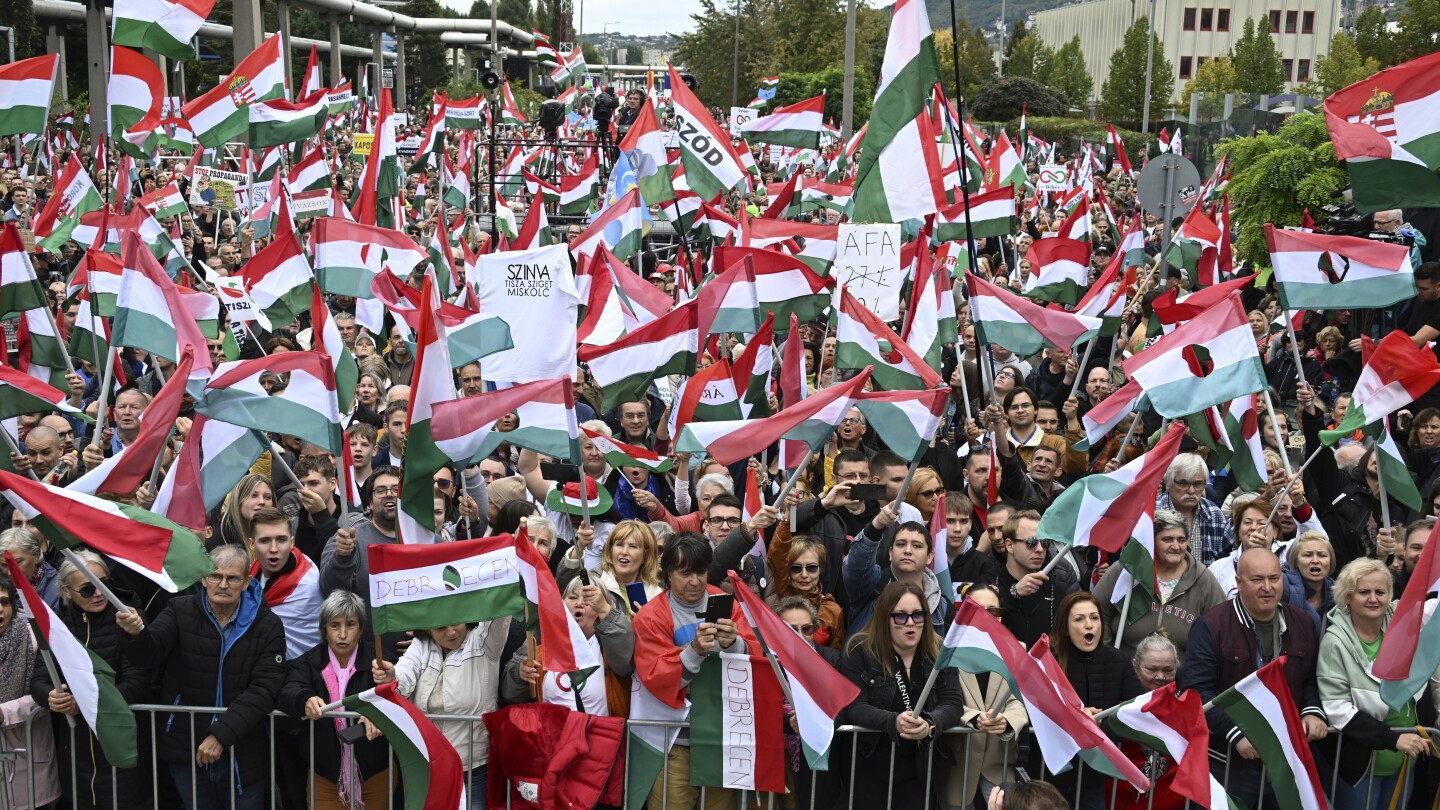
(804, 629)
(1032, 542)
(444, 483)
(932, 493)
(807, 568)
(88, 590)
(900, 618)
(996, 612)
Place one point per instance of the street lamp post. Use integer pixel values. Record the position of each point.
(1149, 68)
(735, 69)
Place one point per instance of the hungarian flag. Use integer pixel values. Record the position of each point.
(124, 472)
(213, 459)
(1262, 707)
(817, 244)
(796, 125)
(162, 26)
(784, 285)
(1106, 298)
(729, 302)
(41, 350)
(709, 395)
(620, 454)
(783, 199)
(930, 319)
(310, 81)
(858, 336)
(311, 173)
(375, 200)
(736, 725)
(340, 98)
(810, 420)
(141, 540)
(21, 394)
(85, 675)
(1395, 475)
(992, 214)
(1410, 651)
(431, 772)
(278, 122)
(414, 585)
(1004, 168)
(1207, 360)
(711, 167)
(471, 337)
(328, 340)
(1175, 726)
(432, 382)
(1396, 373)
(644, 148)
(26, 87)
(1059, 270)
(1118, 152)
(793, 386)
(464, 429)
(1319, 271)
(648, 741)
(899, 173)
(222, 114)
(1106, 509)
(462, 113)
(149, 312)
(1195, 245)
(977, 642)
(563, 645)
(754, 370)
(619, 227)
(1020, 325)
(1240, 434)
(135, 90)
(349, 255)
(1171, 309)
(307, 410)
(164, 202)
(624, 369)
(578, 190)
(279, 280)
(19, 286)
(906, 421)
(1387, 130)
(75, 195)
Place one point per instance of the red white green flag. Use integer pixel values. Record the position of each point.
(432, 382)
(1410, 651)
(164, 26)
(811, 420)
(1262, 707)
(736, 691)
(124, 472)
(19, 286)
(1387, 130)
(223, 113)
(465, 429)
(25, 91)
(431, 771)
(711, 166)
(1321, 271)
(75, 194)
(1059, 270)
(796, 125)
(279, 279)
(625, 368)
(1396, 373)
(906, 421)
(1174, 724)
(859, 334)
(1021, 325)
(308, 409)
(620, 454)
(1208, 360)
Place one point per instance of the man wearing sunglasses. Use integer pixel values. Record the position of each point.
(909, 561)
(1029, 597)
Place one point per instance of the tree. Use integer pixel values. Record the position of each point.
(977, 61)
(1340, 68)
(800, 86)
(1028, 58)
(1002, 99)
(1122, 97)
(426, 66)
(1213, 80)
(1273, 178)
(1257, 62)
(707, 50)
(1067, 73)
(1018, 33)
(20, 16)
(634, 54)
(1373, 38)
(1419, 29)
(872, 28)
(592, 54)
(544, 14)
(809, 35)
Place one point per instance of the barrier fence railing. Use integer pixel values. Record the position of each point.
(283, 769)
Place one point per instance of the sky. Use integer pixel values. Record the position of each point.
(644, 18)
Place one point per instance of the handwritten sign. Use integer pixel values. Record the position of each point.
(867, 262)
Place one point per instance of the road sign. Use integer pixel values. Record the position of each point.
(1168, 187)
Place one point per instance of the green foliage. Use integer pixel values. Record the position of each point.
(1258, 68)
(872, 27)
(1067, 73)
(634, 54)
(464, 87)
(1213, 80)
(1028, 58)
(544, 16)
(426, 66)
(807, 33)
(831, 81)
(1004, 97)
(977, 61)
(1122, 97)
(707, 50)
(1419, 29)
(592, 54)
(20, 16)
(526, 99)
(1372, 37)
(1018, 33)
(1340, 68)
(1070, 131)
(1274, 178)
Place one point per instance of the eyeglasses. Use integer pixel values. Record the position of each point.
(1386, 221)
(900, 618)
(807, 568)
(223, 579)
(931, 493)
(444, 483)
(395, 490)
(851, 478)
(1005, 374)
(804, 629)
(1198, 485)
(723, 521)
(850, 420)
(88, 590)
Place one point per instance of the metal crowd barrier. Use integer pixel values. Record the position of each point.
(1014, 750)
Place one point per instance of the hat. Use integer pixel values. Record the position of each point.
(567, 498)
(663, 269)
(506, 490)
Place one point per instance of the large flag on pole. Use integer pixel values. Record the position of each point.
(811, 420)
(433, 382)
(465, 429)
(1410, 650)
(1396, 372)
(1175, 726)
(124, 472)
(1262, 708)
(1208, 360)
(711, 167)
(1320, 271)
(1020, 325)
(161, 25)
(1387, 130)
(309, 409)
(797, 125)
(25, 91)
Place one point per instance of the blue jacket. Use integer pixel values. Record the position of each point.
(1297, 592)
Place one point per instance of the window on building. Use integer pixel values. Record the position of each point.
(1275, 22)
(1288, 65)
(1292, 18)
(1222, 19)
(1207, 19)
(1200, 61)
(1189, 19)
(1307, 23)
(1185, 69)
(1302, 71)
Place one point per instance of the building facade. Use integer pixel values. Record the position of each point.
(1193, 31)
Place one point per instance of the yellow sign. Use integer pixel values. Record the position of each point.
(363, 142)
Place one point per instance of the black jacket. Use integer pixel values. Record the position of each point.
(303, 680)
(1029, 617)
(1102, 678)
(874, 708)
(243, 675)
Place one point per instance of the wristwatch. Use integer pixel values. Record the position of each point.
(1013, 592)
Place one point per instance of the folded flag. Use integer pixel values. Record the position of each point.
(1262, 708)
(858, 335)
(431, 383)
(149, 311)
(563, 645)
(21, 394)
(19, 286)
(213, 459)
(625, 368)
(1059, 270)
(620, 454)
(431, 771)
(124, 472)
(734, 692)
(279, 280)
(75, 195)
(1208, 360)
(161, 25)
(464, 429)
(906, 421)
(1396, 372)
(1410, 650)
(1384, 128)
(308, 410)
(977, 642)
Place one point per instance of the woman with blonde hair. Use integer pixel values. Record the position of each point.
(252, 493)
(630, 555)
(924, 492)
(796, 564)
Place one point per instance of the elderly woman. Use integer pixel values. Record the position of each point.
(1156, 665)
(796, 563)
(456, 670)
(25, 545)
(602, 619)
(1186, 590)
(36, 770)
(1156, 662)
(1252, 529)
(347, 775)
(1370, 772)
(93, 621)
(1309, 564)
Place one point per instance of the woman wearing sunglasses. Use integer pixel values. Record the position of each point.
(992, 747)
(890, 660)
(796, 563)
(92, 619)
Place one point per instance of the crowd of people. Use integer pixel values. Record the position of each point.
(239, 670)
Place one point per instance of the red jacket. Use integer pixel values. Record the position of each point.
(548, 757)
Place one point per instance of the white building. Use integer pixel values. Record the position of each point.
(1193, 31)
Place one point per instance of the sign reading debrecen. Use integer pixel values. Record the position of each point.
(529, 288)
(867, 262)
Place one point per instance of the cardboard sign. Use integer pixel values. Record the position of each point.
(227, 191)
(309, 204)
(1053, 177)
(363, 141)
(867, 263)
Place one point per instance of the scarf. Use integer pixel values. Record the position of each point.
(625, 498)
(337, 677)
(17, 654)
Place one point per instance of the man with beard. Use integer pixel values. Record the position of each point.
(1185, 483)
(345, 563)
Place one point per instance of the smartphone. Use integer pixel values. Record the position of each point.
(585, 576)
(719, 606)
(635, 591)
(352, 734)
(868, 492)
(560, 473)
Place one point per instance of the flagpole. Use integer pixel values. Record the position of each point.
(74, 559)
(1129, 434)
(1054, 561)
(278, 459)
(1295, 351)
(15, 449)
(1080, 369)
(795, 477)
(1124, 613)
(1276, 508)
(107, 376)
(1279, 439)
(49, 660)
(1116, 708)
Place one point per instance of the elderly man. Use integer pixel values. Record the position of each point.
(1233, 640)
(221, 647)
(706, 490)
(1185, 483)
(63, 429)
